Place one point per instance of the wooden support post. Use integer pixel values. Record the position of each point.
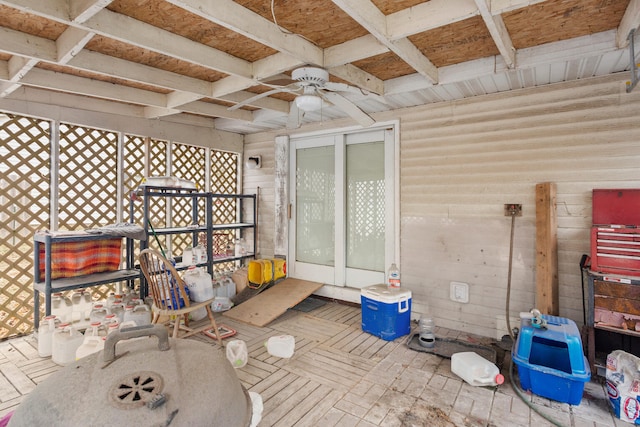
(547, 294)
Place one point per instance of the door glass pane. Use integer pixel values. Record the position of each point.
(365, 204)
(315, 205)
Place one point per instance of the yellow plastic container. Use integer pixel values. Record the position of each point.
(262, 271)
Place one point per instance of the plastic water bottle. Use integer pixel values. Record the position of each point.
(45, 335)
(475, 369)
(394, 276)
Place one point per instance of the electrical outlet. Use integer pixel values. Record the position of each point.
(512, 209)
(459, 292)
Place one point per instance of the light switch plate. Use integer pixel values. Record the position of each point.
(459, 292)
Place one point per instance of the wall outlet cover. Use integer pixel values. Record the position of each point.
(459, 292)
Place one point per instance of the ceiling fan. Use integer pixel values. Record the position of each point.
(312, 86)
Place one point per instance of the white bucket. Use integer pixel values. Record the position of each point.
(199, 283)
(281, 346)
(237, 353)
(45, 335)
(475, 369)
(65, 342)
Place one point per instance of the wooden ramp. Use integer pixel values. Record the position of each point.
(273, 302)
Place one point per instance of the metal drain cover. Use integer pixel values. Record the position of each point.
(135, 389)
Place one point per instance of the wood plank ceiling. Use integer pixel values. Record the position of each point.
(184, 58)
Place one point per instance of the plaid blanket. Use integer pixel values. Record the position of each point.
(71, 259)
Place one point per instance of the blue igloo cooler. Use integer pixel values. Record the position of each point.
(386, 312)
(550, 359)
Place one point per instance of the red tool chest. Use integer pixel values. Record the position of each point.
(615, 234)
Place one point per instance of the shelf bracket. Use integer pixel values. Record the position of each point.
(632, 58)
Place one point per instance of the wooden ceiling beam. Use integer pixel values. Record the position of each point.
(239, 19)
(362, 79)
(17, 67)
(81, 10)
(501, 6)
(58, 10)
(630, 21)
(70, 43)
(90, 87)
(498, 32)
(137, 33)
(593, 45)
(427, 16)
(73, 39)
(373, 20)
(353, 50)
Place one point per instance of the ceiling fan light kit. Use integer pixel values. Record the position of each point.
(308, 102)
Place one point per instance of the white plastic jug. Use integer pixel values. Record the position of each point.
(199, 283)
(65, 342)
(237, 353)
(140, 314)
(95, 329)
(198, 314)
(187, 256)
(281, 346)
(45, 336)
(61, 307)
(475, 369)
(231, 286)
(98, 313)
(90, 345)
(117, 308)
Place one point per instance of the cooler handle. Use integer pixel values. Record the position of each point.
(400, 305)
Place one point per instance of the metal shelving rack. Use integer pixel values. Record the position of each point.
(148, 192)
(48, 286)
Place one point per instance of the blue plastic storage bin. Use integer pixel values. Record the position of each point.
(386, 313)
(550, 360)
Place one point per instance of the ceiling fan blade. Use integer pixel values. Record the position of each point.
(348, 107)
(293, 121)
(343, 87)
(258, 96)
(278, 80)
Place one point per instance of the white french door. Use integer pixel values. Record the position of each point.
(342, 226)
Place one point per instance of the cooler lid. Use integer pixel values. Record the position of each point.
(385, 294)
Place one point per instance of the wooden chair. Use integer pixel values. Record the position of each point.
(170, 299)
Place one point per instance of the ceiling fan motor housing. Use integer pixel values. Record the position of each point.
(311, 76)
